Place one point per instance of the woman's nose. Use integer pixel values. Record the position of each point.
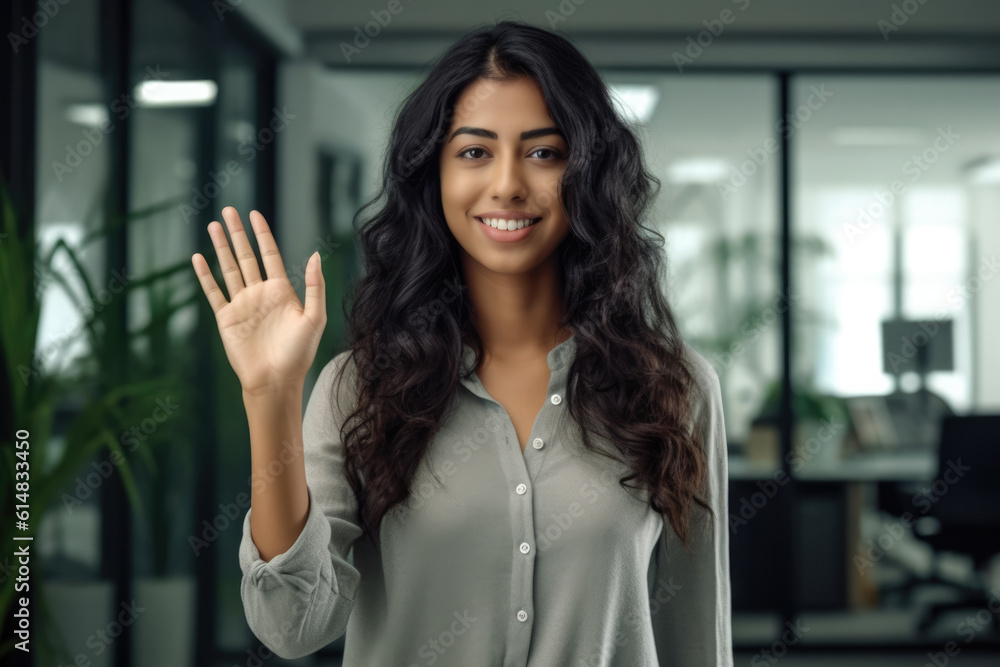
(508, 177)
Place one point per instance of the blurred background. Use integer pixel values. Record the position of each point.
(831, 207)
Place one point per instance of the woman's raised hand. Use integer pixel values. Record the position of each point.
(269, 337)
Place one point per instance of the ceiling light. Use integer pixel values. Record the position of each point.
(176, 93)
(698, 170)
(635, 101)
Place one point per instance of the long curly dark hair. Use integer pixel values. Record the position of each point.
(628, 383)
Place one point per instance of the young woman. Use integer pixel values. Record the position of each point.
(527, 461)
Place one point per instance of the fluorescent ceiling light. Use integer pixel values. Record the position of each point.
(176, 93)
(877, 136)
(89, 115)
(636, 101)
(698, 170)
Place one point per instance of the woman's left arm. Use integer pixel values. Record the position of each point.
(690, 598)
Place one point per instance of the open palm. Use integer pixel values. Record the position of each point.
(270, 338)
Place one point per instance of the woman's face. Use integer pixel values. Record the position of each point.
(504, 158)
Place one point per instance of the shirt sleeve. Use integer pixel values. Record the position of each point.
(690, 598)
(301, 600)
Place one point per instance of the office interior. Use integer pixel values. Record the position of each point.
(830, 195)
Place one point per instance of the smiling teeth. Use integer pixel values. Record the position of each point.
(506, 225)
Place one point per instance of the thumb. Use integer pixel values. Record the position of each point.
(315, 306)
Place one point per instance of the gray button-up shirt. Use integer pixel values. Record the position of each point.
(500, 558)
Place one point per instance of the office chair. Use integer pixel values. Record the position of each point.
(965, 500)
(916, 419)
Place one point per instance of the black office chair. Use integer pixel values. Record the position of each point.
(965, 501)
(916, 419)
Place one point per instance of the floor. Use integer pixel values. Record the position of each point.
(911, 659)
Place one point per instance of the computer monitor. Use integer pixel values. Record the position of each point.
(919, 346)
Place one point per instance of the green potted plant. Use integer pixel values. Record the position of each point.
(105, 394)
(737, 323)
(166, 346)
(820, 428)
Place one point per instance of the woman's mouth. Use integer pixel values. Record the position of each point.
(507, 230)
(503, 224)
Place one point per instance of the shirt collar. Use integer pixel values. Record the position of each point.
(559, 358)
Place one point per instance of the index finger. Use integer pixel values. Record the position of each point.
(273, 265)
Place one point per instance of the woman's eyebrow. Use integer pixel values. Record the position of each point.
(488, 134)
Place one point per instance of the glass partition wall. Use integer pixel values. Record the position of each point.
(145, 111)
(897, 179)
(718, 142)
(891, 228)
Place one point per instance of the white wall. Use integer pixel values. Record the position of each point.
(349, 111)
(986, 303)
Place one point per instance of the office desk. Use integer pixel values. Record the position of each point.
(902, 466)
(830, 498)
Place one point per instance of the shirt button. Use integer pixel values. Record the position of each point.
(522, 615)
(525, 547)
(521, 488)
(537, 444)
(556, 399)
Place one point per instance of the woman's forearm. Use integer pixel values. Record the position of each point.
(279, 498)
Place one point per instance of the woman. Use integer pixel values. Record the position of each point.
(527, 461)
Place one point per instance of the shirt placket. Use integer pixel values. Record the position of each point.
(524, 468)
(520, 470)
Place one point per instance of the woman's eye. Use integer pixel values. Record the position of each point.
(469, 150)
(555, 154)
